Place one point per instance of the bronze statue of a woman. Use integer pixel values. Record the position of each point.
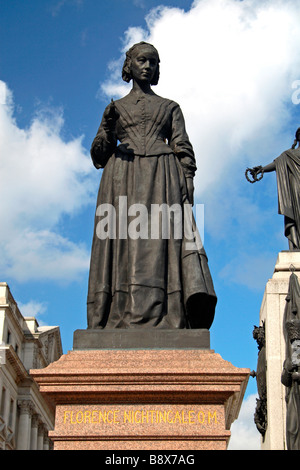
(145, 281)
(287, 167)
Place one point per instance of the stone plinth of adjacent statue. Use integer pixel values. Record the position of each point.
(271, 315)
(147, 397)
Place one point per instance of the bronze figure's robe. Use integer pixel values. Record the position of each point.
(288, 184)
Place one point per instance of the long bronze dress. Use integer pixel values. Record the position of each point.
(146, 282)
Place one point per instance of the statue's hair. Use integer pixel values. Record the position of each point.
(126, 71)
(297, 138)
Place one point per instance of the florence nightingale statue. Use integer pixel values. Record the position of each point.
(142, 144)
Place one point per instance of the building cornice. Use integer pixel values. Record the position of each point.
(13, 359)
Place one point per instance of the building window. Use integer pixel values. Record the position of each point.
(8, 337)
(3, 397)
(11, 414)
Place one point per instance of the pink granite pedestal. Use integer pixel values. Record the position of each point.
(142, 399)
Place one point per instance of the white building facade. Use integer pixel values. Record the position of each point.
(25, 417)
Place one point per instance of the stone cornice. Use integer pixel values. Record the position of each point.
(13, 359)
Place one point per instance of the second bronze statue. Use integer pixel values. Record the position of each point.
(287, 167)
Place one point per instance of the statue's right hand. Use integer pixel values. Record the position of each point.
(257, 170)
(256, 173)
(110, 116)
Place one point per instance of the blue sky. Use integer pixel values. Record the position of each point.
(231, 65)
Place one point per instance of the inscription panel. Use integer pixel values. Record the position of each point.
(105, 420)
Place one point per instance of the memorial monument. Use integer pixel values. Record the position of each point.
(142, 375)
(278, 408)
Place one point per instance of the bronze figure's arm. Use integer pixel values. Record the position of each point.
(105, 141)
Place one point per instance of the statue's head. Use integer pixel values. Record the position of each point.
(126, 71)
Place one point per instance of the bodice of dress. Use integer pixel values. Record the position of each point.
(148, 125)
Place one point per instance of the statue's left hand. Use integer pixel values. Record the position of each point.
(190, 190)
(110, 116)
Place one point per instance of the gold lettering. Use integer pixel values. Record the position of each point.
(65, 416)
(191, 416)
(71, 419)
(201, 417)
(102, 417)
(79, 417)
(87, 416)
(145, 416)
(214, 416)
(137, 420)
(109, 420)
(152, 414)
(141, 416)
(183, 420)
(168, 417)
(116, 418)
(162, 416)
(127, 416)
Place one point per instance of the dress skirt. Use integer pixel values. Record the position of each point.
(144, 272)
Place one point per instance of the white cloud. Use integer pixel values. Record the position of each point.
(249, 270)
(139, 3)
(56, 8)
(244, 434)
(32, 308)
(43, 254)
(230, 65)
(42, 178)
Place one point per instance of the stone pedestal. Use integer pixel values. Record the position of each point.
(271, 313)
(142, 399)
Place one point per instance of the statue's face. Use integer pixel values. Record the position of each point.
(144, 62)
